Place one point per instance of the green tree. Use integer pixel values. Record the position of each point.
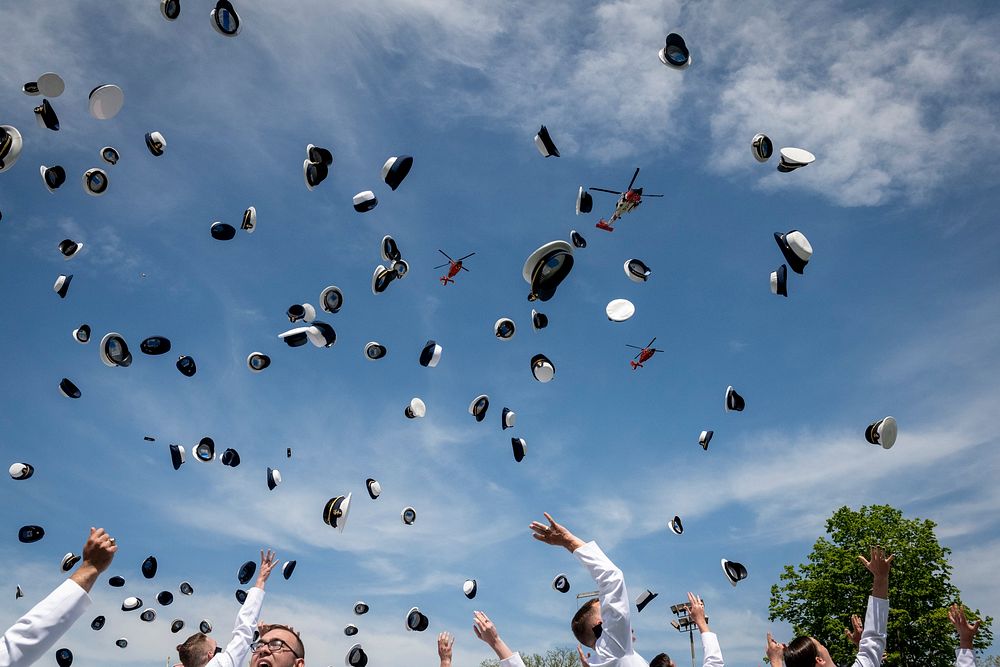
(819, 597)
(556, 657)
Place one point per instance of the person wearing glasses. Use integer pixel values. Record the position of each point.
(603, 623)
(278, 646)
(200, 650)
(35, 632)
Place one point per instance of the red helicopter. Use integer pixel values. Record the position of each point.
(626, 203)
(645, 353)
(454, 266)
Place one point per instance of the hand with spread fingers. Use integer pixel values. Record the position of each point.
(854, 632)
(966, 631)
(445, 643)
(775, 652)
(485, 630)
(555, 534)
(696, 610)
(879, 565)
(268, 561)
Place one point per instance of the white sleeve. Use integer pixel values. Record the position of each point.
(617, 629)
(35, 632)
(246, 622)
(713, 653)
(964, 657)
(873, 636)
(513, 661)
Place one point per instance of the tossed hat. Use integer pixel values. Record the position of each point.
(469, 588)
(249, 223)
(576, 238)
(81, 334)
(350, 629)
(11, 144)
(122, 642)
(148, 615)
(796, 249)
(114, 351)
(170, 9)
(155, 143)
(356, 656)
(69, 560)
(97, 623)
(176, 625)
(61, 285)
(478, 407)
(21, 471)
(155, 345)
(116, 581)
(374, 351)
(225, 20)
(164, 598)
(381, 279)
(644, 598)
(222, 231)
(149, 567)
(288, 452)
(431, 354)
(241, 595)
(734, 402)
(408, 515)
(365, 201)
(29, 534)
(246, 572)
(416, 621)
(314, 173)
(295, 337)
(507, 419)
(882, 432)
(561, 583)
(360, 608)
(705, 438)
(186, 588)
(69, 248)
(793, 158)
(273, 478)
(106, 101)
(761, 147)
(317, 155)
(395, 170)
(46, 116)
(31, 89)
(675, 52)
(543, 369)
(288, 568)
(50, 84)
(205, 449)
(735, 572)
(18, 593)
(110, 155)
(584, 204)
(64, 657)
(230, 458)
(186, 365)
(544, 143)
(546, 268)
(779, 281)
(400, 267)
(504, 328)
(68, 389)
(538, 320)
(95, 182)
(675, 525)
(374, 488)
(335, 513)
(205, 627)
(520, 447)
(331, 299)
(389, 250)
(637, 271)
(52, 177)
(176, 456)
(258, 361)
(321, 334)
(131, 603)
(619, 310)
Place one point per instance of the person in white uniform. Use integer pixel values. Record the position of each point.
(35, 632)
(964, 657)
(602, 624)
(808, 652)
(200, 650)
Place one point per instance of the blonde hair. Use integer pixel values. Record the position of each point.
(192, 652)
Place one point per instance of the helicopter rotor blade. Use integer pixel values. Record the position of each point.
(614, 192)
(634, 176)
(655, 350)
(650, 344)
(440, 266)
(445, 254)
(652, 195)
(465, 269)
(635, 347)
(461, 259)
(637, 356)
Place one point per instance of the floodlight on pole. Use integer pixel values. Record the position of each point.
(684, 623)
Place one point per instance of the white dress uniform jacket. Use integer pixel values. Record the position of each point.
(35, 632)
(713, 653)
(964, 657)
(513, 661)
(873, 636)
(614, 646)
(246, 622)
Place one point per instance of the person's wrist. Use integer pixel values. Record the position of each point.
(88, 569)
(965, 642)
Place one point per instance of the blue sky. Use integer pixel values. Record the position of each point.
(897, 312)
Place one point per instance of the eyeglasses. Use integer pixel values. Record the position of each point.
(272, 646)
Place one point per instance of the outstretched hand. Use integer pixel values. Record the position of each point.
(268, 561)
(775, 652)
(853, 633)
(445, 643)
(966, 631)
(696, 610)
(879, 564)
(583, 658)
(555, 534)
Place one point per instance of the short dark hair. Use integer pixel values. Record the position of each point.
(581, 626)
(662, 660)
(801, 652)
(267, 627)
(193, 652)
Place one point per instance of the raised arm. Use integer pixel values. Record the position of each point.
(775, 652)
(235, 653)
(964, 657)
(709, 641)
(446, 643)
(877, 615)
(35, 632)
(485, 630)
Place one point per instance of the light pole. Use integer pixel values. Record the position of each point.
(683, 623)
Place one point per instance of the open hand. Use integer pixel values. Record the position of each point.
(554, 534)
(854, 632)
(445, 643)
(484, 628)
(966, 631)
(696, 610)
(879, 564)
(268, 561)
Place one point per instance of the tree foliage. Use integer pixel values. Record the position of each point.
(556, 657)
(819, 597)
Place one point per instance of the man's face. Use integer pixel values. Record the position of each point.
(210, 646)
(822, 655)
(595, 619)
(282, 658)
